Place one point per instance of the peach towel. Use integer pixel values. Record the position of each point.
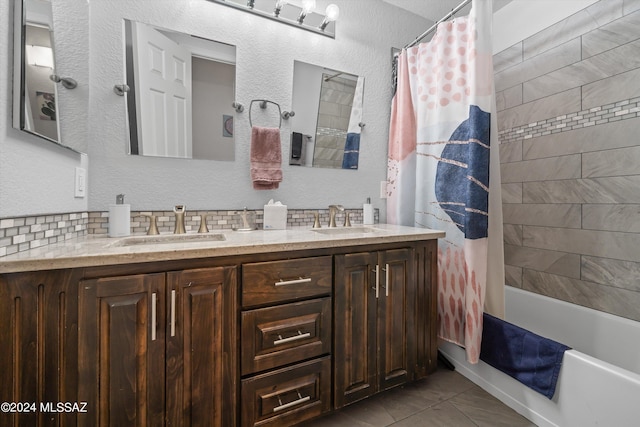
(266, 158)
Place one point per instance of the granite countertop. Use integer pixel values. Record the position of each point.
(95, 251)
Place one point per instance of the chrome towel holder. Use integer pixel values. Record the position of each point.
(263, 105)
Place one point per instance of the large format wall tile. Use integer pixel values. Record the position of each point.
(512, 234)
(604, 244)
(554, 59)
(568, 119)
(612, 35)
(508, 98)
(605, 298)
(512, 193)
(606, 136)
(617, 217)
(511, 152)
(611, 272)
(564, 167)
(507, 58)
(588, 19)
(555, 215)
(595, 68)
(555, 262)
(541, 109)
(622, 189)
(513, 276)
(618, 162)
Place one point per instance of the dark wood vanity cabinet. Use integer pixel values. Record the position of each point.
(286, 341)
(159, 348)
(39, 347)
(253, 340)
(380, 330)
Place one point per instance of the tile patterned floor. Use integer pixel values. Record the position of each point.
(446, 399)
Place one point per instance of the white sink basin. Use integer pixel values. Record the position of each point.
(169, 238)
(347, 230)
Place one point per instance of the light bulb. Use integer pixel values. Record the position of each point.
(308, 6)
(279, 5)
(332, 12)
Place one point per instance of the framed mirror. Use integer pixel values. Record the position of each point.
(35, 95)
(328, 121)
(180, 96)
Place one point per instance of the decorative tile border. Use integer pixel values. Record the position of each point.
(21, 234)
(24, 233)
(627, 109)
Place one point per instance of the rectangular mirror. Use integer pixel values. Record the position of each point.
(328, 120)
(35, 96)
(181, 91)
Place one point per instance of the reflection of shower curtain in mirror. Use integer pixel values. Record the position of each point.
(443, 162)
(352, 144)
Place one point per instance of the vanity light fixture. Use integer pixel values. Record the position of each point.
(300, 14)
(331, 15)
(307, 6)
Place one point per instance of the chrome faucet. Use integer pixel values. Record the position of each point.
(179, 211)
(333, 209)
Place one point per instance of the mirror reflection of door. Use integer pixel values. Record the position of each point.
(163, 93)
(188, 80)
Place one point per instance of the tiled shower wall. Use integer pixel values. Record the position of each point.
(569, 123)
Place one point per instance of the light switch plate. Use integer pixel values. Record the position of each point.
(80, 182)
(383, 189)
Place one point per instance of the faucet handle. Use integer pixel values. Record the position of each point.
(203, 224)
(347, 221)
(316, 220)
(153, 225)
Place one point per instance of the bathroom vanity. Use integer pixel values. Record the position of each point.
(259, 328)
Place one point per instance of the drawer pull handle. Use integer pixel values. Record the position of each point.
(293, 282)
(300, 336)
(290, 404)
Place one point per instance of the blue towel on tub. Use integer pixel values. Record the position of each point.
(529, 358)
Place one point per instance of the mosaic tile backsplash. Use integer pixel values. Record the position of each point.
(21, 234)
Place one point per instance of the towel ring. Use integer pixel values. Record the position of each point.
(263, 105)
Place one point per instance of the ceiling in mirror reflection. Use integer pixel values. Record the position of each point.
(181, 93)
(326, 127)
(36, 106)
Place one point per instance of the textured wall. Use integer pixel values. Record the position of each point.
(569, 114)
(36, 176)
(266, 50)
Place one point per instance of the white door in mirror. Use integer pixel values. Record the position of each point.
(163, 93)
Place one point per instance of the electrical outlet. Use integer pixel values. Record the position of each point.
(383, 189)
(80, 182)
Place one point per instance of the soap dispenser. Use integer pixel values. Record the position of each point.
(367, 212)
(119, 218)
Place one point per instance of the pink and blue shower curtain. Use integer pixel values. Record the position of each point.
(443, 168)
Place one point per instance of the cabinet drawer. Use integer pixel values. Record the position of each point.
(285, 334)
(287, 396)
(278, 281)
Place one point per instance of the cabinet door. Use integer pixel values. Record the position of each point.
(38, 338)
(201, 347)
(396, 318)
(121, 357)
(354, 326)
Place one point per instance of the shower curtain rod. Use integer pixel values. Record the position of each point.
(434, 26)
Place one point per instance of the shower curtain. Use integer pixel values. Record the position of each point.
(443, 168)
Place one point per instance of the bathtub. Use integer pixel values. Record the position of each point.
(599, 383)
